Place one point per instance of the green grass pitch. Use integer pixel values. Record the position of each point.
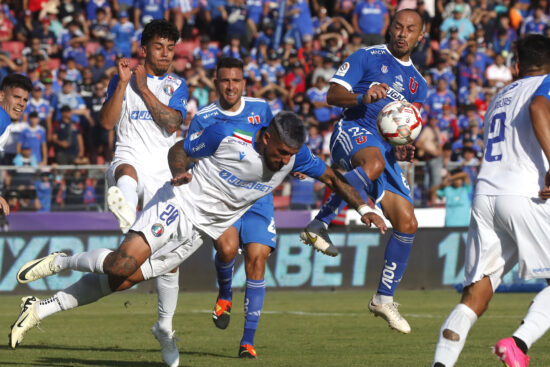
(296, 329)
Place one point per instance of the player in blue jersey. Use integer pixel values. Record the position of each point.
(14, 96)
(238, 164)
(369, 79)
(255, 230)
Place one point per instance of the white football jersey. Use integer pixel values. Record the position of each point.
(138, 138)
(232, 175)
(513, 161)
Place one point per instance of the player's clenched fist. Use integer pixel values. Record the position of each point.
(124, 71)
(375, 93)
(181, 179)
(141, 77)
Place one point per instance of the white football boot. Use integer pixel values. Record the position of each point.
(39, 268)
(389, 312)
(125, 215)
(168, 347)
(26, 320)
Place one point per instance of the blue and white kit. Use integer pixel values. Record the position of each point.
(5, 127)
(230, 176)
(140, 142)
(257, 225)
(357, 129)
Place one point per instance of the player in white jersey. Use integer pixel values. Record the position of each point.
(146, 106)
(509, 221)
(240, 163)
(14, 96)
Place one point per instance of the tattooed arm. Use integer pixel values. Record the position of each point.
(166, 117)
(179, 164)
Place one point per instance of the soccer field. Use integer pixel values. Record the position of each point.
(296, 329)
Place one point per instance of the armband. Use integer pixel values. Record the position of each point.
(364, 209)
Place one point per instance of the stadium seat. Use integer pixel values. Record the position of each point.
(184, 49)
(92, 47)
(15, 48)
(281, 202)
(53, 64)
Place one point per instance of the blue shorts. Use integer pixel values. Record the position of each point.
(258, 223)
(348, 138)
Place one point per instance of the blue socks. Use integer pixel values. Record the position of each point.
(359, 180)
(395, 262)
(253, 303)
(224, 273)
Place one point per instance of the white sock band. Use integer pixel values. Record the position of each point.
(90, 261)
(167, 291)
(537, 320)
(128, 187)
(453, 333)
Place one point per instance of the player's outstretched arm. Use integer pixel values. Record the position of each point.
(540, 115)
(338, 183)
(111, 109)
(165, 116)
(179, 164)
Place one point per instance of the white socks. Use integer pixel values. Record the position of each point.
(128, 186)
(91, 261)
(167, 291)
(88, 289)
(537, 320)
(381, 299)
(453, 333)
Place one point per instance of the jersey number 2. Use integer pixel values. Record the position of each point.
(497, 123)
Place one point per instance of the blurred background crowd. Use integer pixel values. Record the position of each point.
(291, 48)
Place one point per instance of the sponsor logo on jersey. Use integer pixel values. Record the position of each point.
(413, 85)
(400, 78)
(384, 69)
(168, 89)
(392, 93)
(377, 52)
(198, 147)
(398, 86)
(140, 115)
(195, 135)
(249, 185)
(241, 155)
(157, 229)
(210, 114)
(343, 69)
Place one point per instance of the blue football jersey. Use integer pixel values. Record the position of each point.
(374, 65)
(254, 111)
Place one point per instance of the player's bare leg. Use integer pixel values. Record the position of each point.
(256, 255)
(227, 246)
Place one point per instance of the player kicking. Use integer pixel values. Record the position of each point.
(240, 163)
(255, 230)
(368, 80)
(146, 107)
(509, 222)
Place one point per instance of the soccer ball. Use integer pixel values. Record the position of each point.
(399, 123)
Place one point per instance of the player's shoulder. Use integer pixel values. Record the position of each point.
(208, 111)
(374, 51)
(254, 100)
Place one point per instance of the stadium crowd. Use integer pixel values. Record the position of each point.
(69, 49)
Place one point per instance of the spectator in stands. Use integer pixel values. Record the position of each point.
(47, 37)
(498, 74)
(123, 32)
(536, 23)
(442, 96)
(442, 70)
(464, 25)
(314, 140)
(99, 68)
(77, 52)
(97, 140)
(234, 48)
(467, 70)
(469, 162)
(33, 52)
(34, 138)
(76, 183)
(109, 51)
(272, 69)
(72, 33)
(326, 71)
(145, 11)
(207, 53)
(48, 94)
(456, 189)
(300, 17)
(67, 139)
(213, 16)
(73, 72)
(92, 8)
(99, 27)
(26, 27)
(6, 28)
(40, 106)
(234, 14)
(273, 93)
(69, 97)
(469, 118)
(318, 97)
(429, 150)
(468, 94)
(451, 46)
(295, 81)
(354, 44)
(371, 19)
(448, 124)
(44, 189)
(86, 85)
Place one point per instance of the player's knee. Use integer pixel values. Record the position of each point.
(227, 253)
(255, 267)
(407, 224)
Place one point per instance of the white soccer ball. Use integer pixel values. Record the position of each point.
(399, 123)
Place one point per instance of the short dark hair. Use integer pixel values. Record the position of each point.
(411, 10)
(229, 62)
(290, 128)
(16, 81)
(159, 28)
(533, 52)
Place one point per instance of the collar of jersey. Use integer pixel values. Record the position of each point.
(404, 63)
(230, 113)
(156, 77)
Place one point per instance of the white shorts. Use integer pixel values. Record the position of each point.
(170, 234)
(148, 181)
(505, 230)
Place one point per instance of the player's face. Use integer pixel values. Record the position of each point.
(276, 153)
(405, 32)
(14, 101)
(229, 84)
(159, 53)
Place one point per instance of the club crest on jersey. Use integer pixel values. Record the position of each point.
(157, 229)
(254, 120)
(195, 135)
(384, 69)
(168, 89)
(413, 85)
(343, 69)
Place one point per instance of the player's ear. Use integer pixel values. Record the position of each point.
(144, 50)
(2, 94)
(266, 137)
